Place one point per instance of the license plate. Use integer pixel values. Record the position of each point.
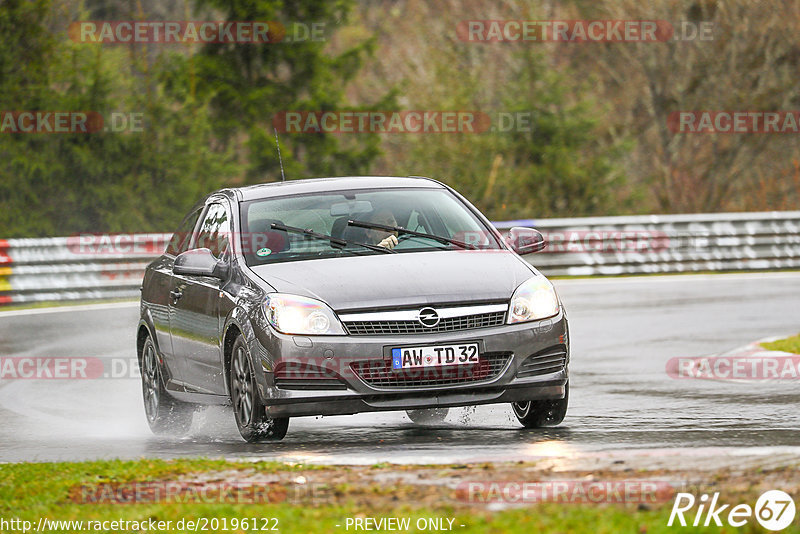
(434, 356)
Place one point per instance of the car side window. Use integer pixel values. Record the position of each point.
(215, 230)
(183, 235)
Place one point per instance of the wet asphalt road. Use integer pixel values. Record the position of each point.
(623, 330)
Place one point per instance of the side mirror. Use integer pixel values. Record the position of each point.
(525, 240)
(200, 262)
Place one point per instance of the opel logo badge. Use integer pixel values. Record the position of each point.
(428, 317)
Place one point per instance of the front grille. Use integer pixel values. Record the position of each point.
(379, 373)
(548, 361)
(451, 324)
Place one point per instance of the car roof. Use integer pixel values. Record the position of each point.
(323, 185)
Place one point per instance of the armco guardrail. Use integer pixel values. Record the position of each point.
(667, 243)
(66, 269)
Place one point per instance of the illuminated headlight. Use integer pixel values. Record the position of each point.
(533, 300)
(292, 314)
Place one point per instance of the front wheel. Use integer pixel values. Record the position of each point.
(542, 413)
(429, 416)
(165, 415)
(251, 417)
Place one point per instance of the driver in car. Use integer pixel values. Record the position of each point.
(380, 237)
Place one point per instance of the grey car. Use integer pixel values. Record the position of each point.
(336, 296)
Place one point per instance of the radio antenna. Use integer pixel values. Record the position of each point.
(280, 160)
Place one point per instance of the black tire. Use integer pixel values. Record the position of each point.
(542, 413)
(429, 416)
(251, 417)
(165, 414)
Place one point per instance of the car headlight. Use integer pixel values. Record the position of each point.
(293, 314)
(534, 299)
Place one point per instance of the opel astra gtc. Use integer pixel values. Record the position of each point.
(344, 295)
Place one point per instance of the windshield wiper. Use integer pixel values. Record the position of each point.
(334, 241)
(401, 230)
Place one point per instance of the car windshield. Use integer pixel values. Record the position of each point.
(436, 212)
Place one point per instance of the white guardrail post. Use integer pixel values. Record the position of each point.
(108, 267)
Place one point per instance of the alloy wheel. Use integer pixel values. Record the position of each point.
(242, 388)
(150, 384)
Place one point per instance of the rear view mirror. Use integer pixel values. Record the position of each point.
(200, 262)
(525, 240)
(352, 207)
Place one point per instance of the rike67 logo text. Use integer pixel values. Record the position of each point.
(774, 510)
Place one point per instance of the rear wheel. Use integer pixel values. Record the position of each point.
(542, 413)
(251, 417)
(428, 416)
(165, 414)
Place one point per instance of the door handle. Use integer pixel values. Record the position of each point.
(175, 295)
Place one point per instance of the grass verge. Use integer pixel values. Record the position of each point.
(298, 498)
(789, 344)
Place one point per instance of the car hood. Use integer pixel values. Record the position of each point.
(398, 280)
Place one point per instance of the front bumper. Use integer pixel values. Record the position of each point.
(345, 391)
